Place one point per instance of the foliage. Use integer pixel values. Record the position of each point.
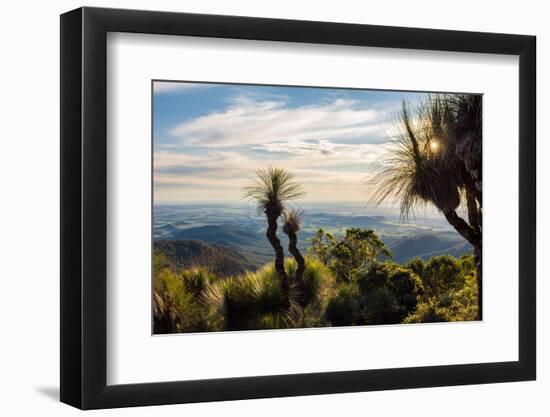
(440, 275)
(257, 300)
(344, 309)
(321, 246)
(417, 266)
(178, 299)
(452, 294)
(318, 280)
(292, 220)
(355, 251)
(254, 299)
(197, 280)
(384, 293)
(436, 160)
(429, 312)
(391, 292)
(271, 190)
(424, 166)
(272, 187)
(442, 288)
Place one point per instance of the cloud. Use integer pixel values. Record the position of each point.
(330, 146)
(327, 152)
(338, 174)
(255, 121)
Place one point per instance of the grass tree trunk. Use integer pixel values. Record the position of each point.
(474, 213)
(474, 218)
(474, 238)
(293, 249)
(300, 261)
(463, 228)
(477, 259)
(271, 235)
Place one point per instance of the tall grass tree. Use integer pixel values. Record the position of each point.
(436, 160)
(271, 189)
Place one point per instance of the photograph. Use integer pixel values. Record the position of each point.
(280, 207)
(242, 208)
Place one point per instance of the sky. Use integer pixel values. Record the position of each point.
(209, 139)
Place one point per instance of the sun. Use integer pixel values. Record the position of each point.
(434, 145)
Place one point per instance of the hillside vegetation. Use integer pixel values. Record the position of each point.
(347, 281)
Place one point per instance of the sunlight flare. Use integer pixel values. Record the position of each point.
(434, 145)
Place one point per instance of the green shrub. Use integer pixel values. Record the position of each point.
(391, 292)
(348, 255)
(318, 280)
(176, 308)
(451, 291)
(344, 309)
(417, 266)
(429, 312)
(197, 280)
(195, 300)
(254, 301)
(442, 274)
(455, 305)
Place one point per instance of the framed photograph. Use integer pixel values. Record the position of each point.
(258, 208)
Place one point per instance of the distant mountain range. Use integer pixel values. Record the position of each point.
(220, 233)
(340, 220)
(229, 249)
(426, 246)
(247, 241)
(223, 261)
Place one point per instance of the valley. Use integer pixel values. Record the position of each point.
(233, 236)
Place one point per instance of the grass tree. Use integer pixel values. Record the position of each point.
(292, 222)
(436, 160)
(271, 189)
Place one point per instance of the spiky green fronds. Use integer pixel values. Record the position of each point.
(178, 301)
(196, 280)
(271, 188)
(256, 300)
(253, 300)
(292, 220)
(422, 167)
(318, 279)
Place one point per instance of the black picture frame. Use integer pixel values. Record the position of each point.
(84, 207)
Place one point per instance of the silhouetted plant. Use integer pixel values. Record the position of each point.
(292, 220)
(270, 190)
(436, 159)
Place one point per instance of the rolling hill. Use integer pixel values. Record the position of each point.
(221, 260)
(250, 249)
(250, 242)
(426, 246)
(221, 234)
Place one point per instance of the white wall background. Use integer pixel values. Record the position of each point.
(29, 219)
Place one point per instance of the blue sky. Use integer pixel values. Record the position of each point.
(210, 138)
